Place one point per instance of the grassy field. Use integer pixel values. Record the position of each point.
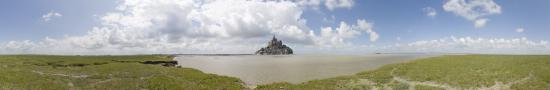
(491, 72)
(44, 72)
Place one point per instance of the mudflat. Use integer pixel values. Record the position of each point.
(255, 70)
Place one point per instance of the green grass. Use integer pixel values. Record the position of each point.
(46, 72)
(520, 72)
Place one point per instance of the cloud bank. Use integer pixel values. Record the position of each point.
(192, 26)
(476, 45)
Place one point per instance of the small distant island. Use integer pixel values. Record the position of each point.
(275, 47)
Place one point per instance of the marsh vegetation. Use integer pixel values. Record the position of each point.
(492, 72)
(44, 72)
(455, 72)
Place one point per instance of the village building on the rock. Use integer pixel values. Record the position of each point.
(275, 47)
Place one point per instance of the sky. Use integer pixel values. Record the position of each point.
(243, 26)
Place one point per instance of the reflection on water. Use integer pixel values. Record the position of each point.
(254, 70)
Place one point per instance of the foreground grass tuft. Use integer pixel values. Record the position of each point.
(45, 72)
(494, 72)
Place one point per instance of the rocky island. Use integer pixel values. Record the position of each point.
(275, 47)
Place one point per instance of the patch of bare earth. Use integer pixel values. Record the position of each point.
(63, 75)
(412, 84)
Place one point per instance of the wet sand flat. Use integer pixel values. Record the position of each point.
(255, 70)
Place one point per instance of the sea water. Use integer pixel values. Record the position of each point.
(255, 70)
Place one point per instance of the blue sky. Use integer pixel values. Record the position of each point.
(395, 21)
(22, 19)
(405, 19)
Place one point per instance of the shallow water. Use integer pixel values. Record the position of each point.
(255, 70)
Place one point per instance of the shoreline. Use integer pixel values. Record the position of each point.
(264, 69)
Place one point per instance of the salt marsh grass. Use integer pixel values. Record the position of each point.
(492, 72)
(45, 72)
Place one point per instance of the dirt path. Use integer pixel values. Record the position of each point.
(63, 75)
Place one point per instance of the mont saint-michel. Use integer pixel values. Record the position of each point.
(275, 47)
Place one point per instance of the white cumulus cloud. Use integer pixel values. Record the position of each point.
(430, 11)
(48, 16)
(191, 26)
(335, 37)
(333, 4)
(473, 10)
(520, 30)
(329, 4)
(479, 23)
